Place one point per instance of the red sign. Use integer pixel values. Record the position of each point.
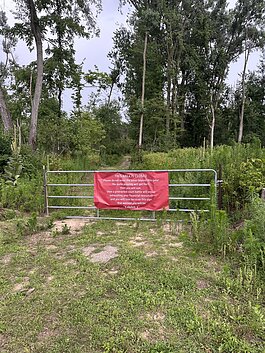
(131, 190)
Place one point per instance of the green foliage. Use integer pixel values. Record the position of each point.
(254, 235)
(27, 227)
(252, 172)
(80, 134)
(13, 169)
(32, 162)
(116, 140)
(20, 184)
(87, 134)
(101, 79)
(66, 230)
(25, 196)
(7, 214)
(190, 48)
(5, 150)
(76, 161)
(28, 193)
(233, 161)
(214, 234)
(242, 173)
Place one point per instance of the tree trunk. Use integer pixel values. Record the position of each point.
(182, 100)
(143, 92)
(168, 101)
(169, 87)
(61, 78)
(110, 93)
(36, 31)
(212, 126)
(241, 116)
(5, 113)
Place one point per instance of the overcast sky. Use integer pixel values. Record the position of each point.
(94, 51)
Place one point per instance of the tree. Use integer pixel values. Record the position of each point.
(116, 139)
(67, 20)
(56, 22)
(5, 113)
(7, 44)
(254, 37)
(193, 44)
(138, 56)
(36, 30)
(242, 110)
(87, 133)
(254, 109)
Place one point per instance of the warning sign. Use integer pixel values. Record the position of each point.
(131, 190)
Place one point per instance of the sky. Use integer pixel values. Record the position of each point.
(95, 50)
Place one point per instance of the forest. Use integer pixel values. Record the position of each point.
(191, 283)
(170, 65)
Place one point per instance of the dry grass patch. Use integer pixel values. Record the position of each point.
(50, 329)
(154, 335)
(41, 238)
(75, 225)
(139, 241)
(108, 253)
(87, 251)
(151, 254)
(96, 254)
(6, 259)
(202, 284)
(176, 245)
(3, 341)
(22, 286)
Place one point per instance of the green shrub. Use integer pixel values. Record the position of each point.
(254, 235)
(13, 169)
(26, 196)
(252, 175)
(32, 162)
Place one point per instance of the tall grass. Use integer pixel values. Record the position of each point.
(231, 161)
(238, 231)
(28, 193)
(227, 156)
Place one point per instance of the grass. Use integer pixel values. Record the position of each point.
(160, 294)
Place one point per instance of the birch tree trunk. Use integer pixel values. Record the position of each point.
(36, 31)
(212, 127)
(242, 110)
(143, 92)
(5, 113)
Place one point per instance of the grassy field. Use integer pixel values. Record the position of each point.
(122, 287)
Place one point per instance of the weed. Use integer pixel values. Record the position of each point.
(194, 217)
(20, 227)
(32, 223)
(7, 214)
(55, 233)
(65, 230)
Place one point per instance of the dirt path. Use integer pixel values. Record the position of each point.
(126, 163)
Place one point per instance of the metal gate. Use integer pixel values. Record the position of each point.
(190, 190)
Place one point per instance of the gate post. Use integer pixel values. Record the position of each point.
(45, 189)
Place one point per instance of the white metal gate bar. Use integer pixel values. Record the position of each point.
(173, 186)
